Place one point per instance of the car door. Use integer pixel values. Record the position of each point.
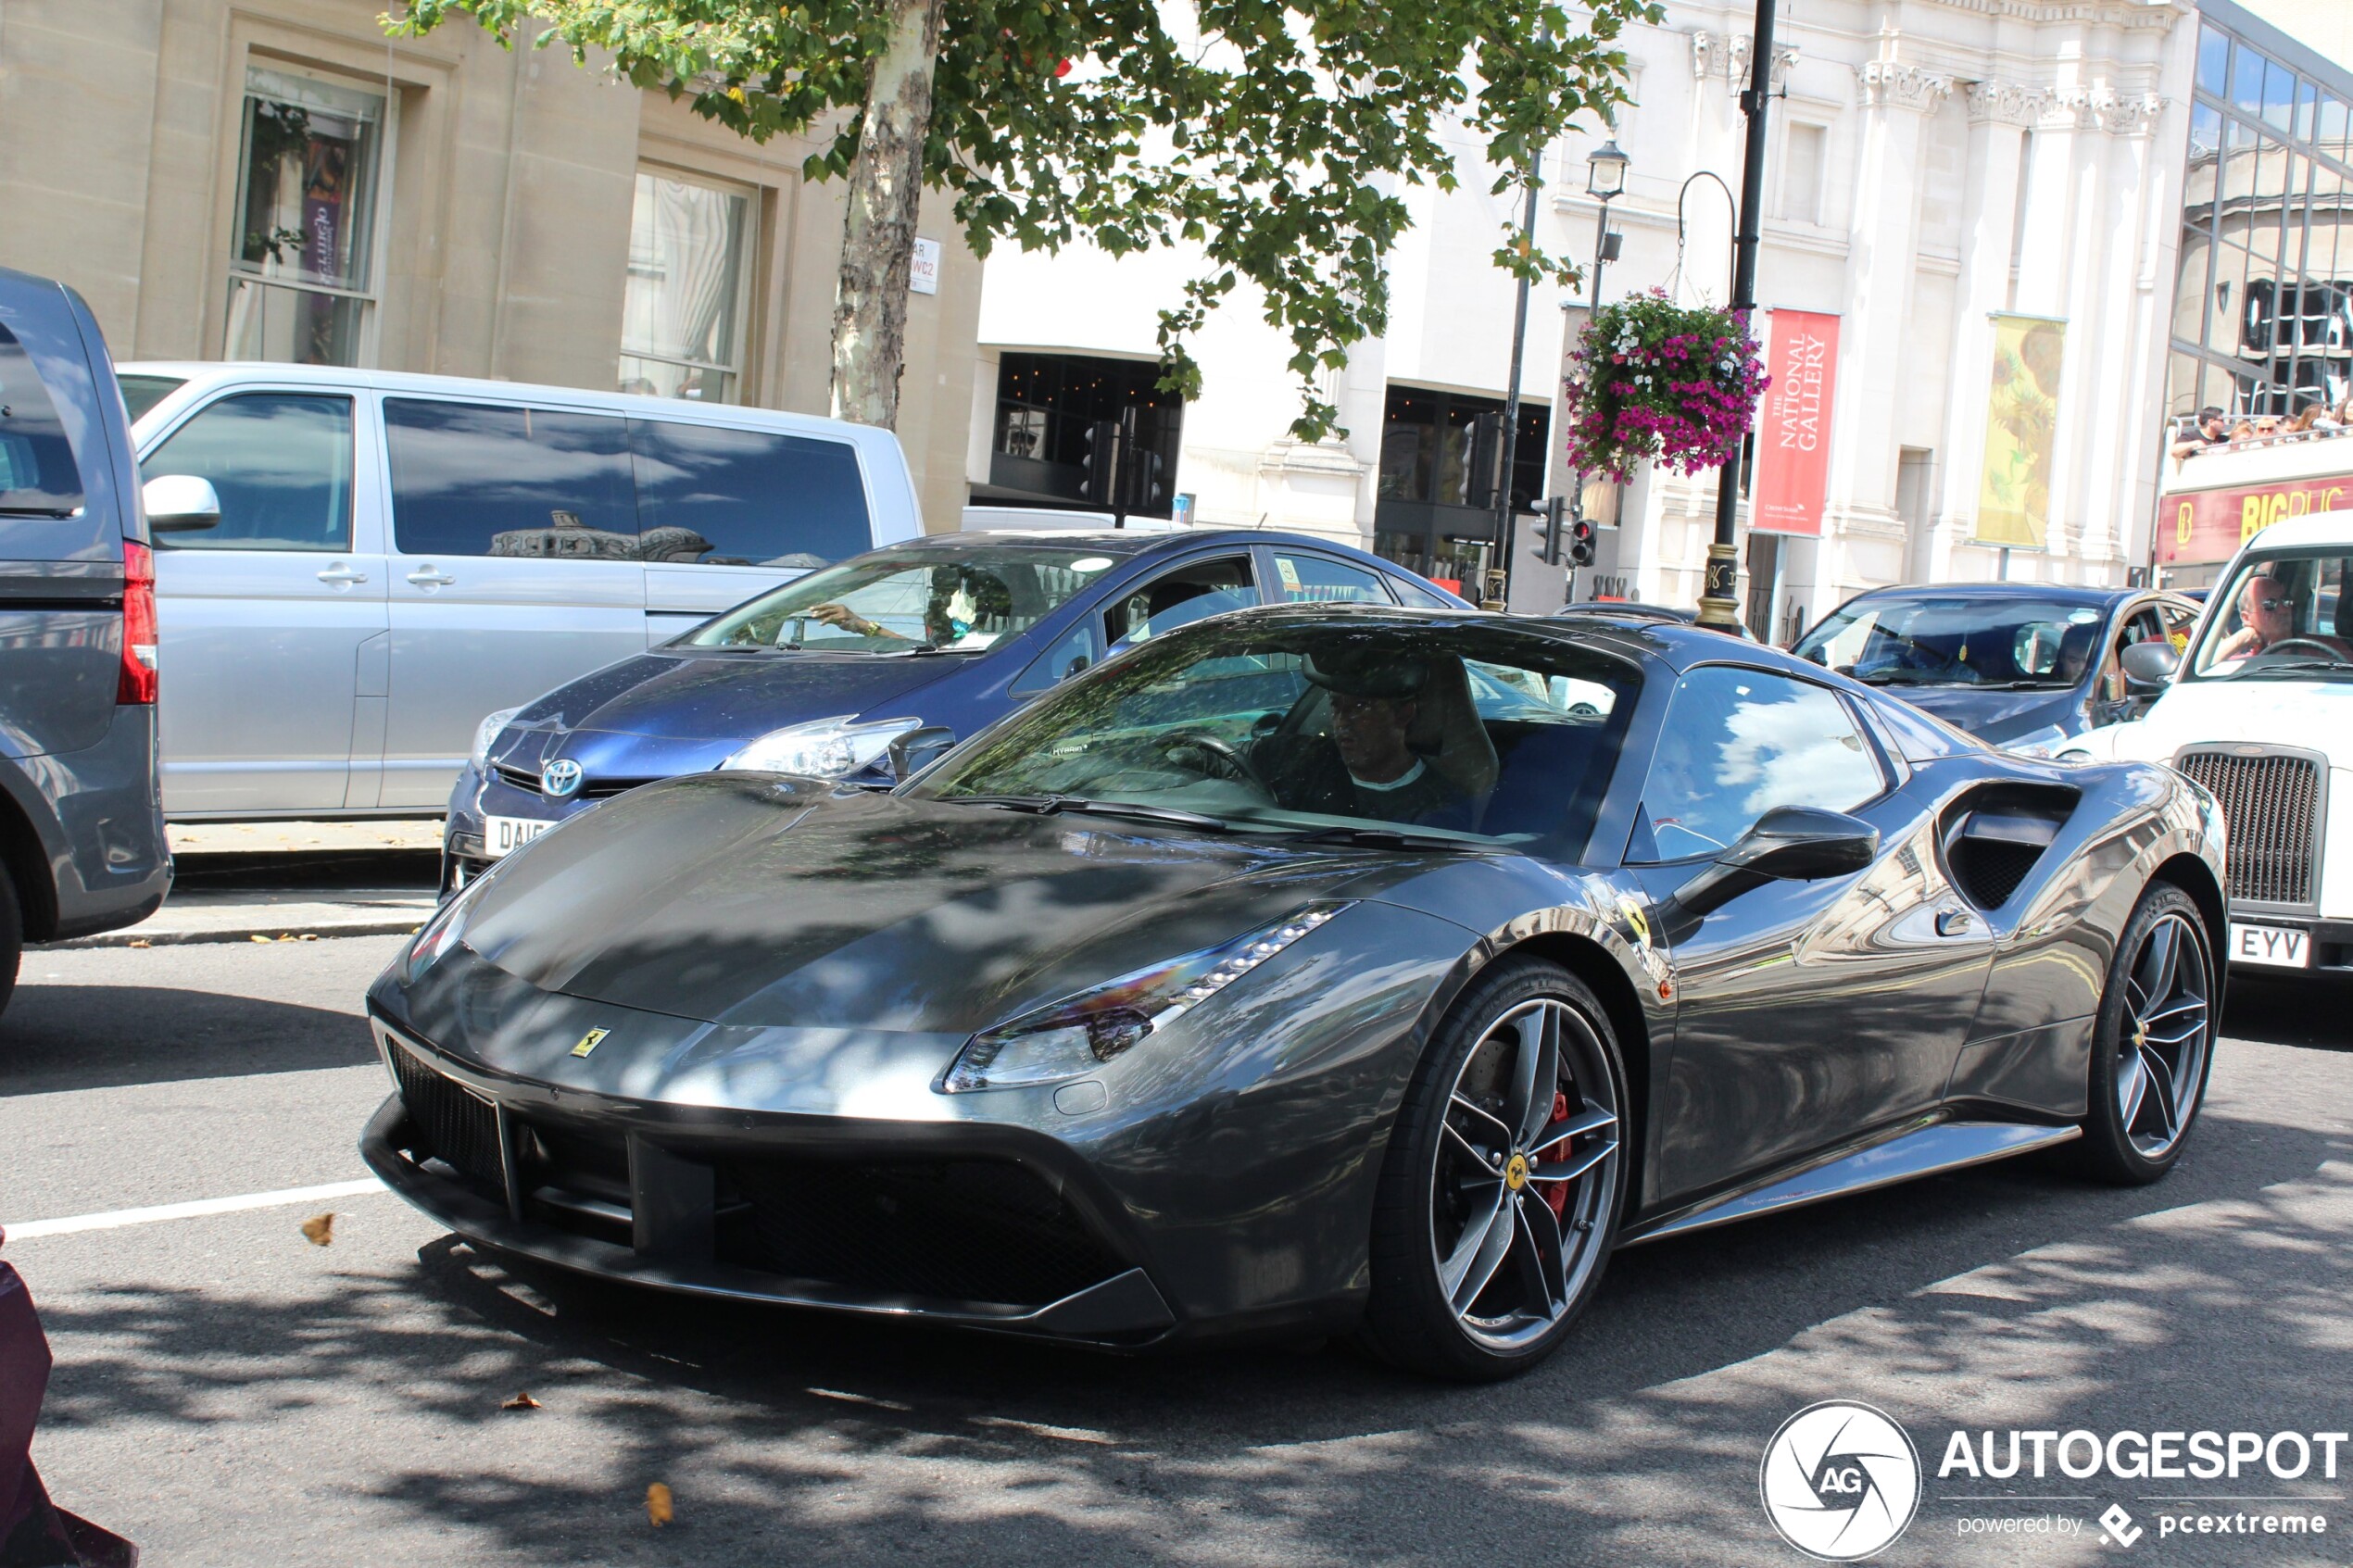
(723, 514)
(2109, 702)
(1191, 590)
(1807, 1012)
(1296, 576)
(274, 620)
(513, 567)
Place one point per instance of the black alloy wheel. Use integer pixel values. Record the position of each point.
(2154, 1044)
(1500, 1196)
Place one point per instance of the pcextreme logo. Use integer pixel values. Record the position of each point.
(1839, 1481)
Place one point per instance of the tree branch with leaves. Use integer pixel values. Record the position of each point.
(1270, 136)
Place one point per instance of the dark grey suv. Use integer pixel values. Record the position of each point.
(82, 839)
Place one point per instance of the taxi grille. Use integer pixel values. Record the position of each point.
(2271, 805)
(453, 1123)
(960, 1230)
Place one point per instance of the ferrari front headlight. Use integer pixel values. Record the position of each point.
(1075, 1036)
(824, 748)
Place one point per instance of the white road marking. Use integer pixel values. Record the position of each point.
(202, 1206)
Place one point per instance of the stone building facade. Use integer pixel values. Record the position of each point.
(278, 179)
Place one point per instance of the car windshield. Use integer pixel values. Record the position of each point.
(900, 599)
(2284, 615)
(1958, 640)
(1380, 733)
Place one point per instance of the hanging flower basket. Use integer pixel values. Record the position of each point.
(1659, 383)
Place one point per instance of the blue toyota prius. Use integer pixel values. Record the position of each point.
(875, 664)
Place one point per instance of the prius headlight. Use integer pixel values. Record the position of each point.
(1075, 1036)
(440, 934)
(486, 735)
(823, 749)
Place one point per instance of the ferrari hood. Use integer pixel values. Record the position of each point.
(746, 899)
(723, 697)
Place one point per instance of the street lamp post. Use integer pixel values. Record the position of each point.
(1605, 182)
(1717, 605)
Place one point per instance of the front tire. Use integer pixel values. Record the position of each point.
(11, 939)
(2154, 1044)
(1500, 1196)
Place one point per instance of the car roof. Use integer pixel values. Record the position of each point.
(2062, 593)
(2301, 533)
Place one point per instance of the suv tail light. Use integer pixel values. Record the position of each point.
(137, 681)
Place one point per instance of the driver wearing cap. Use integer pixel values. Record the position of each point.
(1370, 770)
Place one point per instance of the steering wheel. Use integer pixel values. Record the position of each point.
(2313, 644)
(1228, 758)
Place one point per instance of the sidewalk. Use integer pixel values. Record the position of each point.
(285, 882)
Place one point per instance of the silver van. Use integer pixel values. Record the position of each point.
(374, 561)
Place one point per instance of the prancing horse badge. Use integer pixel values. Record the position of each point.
(590, 1041)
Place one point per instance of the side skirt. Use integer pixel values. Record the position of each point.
(1914, 1150)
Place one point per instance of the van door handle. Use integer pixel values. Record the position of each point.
(343, 574)
(426, 577)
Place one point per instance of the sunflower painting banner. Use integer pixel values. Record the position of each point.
(2021, 431)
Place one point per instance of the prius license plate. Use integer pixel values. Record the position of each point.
(2280, 946)
(500, 834)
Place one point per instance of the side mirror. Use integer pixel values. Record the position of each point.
(2148, 666)
(180, 502)
(1788, 844)
(918, 749)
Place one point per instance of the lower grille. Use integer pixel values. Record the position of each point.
(590, 788)
(960, 1230)
(455, 1123)
(2271, 804)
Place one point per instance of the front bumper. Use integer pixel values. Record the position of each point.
(984, 1226)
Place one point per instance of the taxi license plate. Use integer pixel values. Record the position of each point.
(500, 834)
(2279, 946)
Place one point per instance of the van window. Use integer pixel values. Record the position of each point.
(479, 479)
(36, 460)
(281, 463)
(745, 497)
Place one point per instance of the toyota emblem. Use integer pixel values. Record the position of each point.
(560, 778)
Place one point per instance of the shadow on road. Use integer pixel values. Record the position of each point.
(62, 1037)
(2290, 1010)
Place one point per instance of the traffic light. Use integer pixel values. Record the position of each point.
(1483, 481)
(1581, 542)
(1551, 531)
(1100, 465)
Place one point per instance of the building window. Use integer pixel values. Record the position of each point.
(302, 276)
(682, 316)
(1802, 156)
(2263, 301)
(1426, 448)
(1058, 414)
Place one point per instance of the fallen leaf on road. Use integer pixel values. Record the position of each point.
(321, 1229)
(658, 1507)
(257, 936)
(142, 942)
(308, 936)
(521, 1401)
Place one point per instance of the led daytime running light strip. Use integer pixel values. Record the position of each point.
(1241, 963)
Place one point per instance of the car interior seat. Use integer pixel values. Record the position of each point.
(1447, 733)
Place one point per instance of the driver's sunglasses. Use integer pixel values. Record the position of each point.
(2274, 603)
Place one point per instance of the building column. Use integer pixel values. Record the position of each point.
(2106, 488)
(1882, 253)
(1999, 113)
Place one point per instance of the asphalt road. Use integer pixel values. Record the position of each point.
(227, 1393)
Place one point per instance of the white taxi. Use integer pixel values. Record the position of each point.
(2259, 710)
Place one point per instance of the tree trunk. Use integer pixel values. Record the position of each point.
(879, 236)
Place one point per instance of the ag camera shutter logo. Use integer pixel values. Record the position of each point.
(1839, 1481)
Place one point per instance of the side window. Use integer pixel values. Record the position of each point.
(1414, 596)
(2179, 625)
(37, 472)
(1192, 591)
(1739, 742)
(745, 497)
(479, 479)
(1074, 652)
(281, 463)
(1304, 578)
(2140, 626)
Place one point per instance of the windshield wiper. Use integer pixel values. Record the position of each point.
(2031, 686)
(1049, 805)
(1378, 838)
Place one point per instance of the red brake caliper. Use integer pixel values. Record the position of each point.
(1556, 1193)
